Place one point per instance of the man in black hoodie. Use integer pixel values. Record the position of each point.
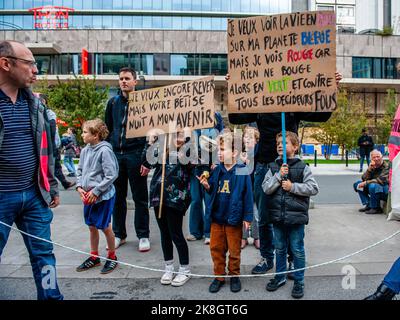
(129, 155)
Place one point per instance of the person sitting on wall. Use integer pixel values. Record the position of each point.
(374, 184)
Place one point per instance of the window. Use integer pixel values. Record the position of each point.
(362, 67)
(127, 22)
(117, 4)
(107, 22)
(77, 4)
(147, 22)
(137, 4)
(196, 23)
(179, 65)
(245, 6)
(137, 22)
(87, 21)
(157, 22)
(219, 64)
(117, 22)
(325, 8)
(204, 64)
(206, 5)
(167, 22)
(147, 64)
(375, 68)
(176, 4)
(113, 62)
(43, 64)
(97, 22)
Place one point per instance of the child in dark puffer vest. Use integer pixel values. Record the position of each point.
(288, 188)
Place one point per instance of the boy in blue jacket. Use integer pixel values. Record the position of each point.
(230, 206)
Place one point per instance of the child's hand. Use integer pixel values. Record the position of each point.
(284, 170)
(82, 193)
(243, 157)
(90, 197)
(287, 185)
(204, 182)
(246, 225)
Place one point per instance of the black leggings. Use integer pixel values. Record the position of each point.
(170, 226)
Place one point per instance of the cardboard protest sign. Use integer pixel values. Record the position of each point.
(172, 108)
(282, 63)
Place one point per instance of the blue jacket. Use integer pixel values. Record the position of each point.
(241, 200)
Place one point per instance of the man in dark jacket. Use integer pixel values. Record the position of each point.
(28, 188)
(129, 155)
(269, 125)
(366, 145)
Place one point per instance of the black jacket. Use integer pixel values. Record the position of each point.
(116, 119)
(365, 149)
(176, 184)
(285, 207)
(269, 125)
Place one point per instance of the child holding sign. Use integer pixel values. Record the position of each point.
(175, 202)
(97, 170)
(230, 206)
(288, 188)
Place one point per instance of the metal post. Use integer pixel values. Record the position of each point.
(347, 158)
(315, 158)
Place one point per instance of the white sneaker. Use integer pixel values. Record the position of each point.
(168, 275)
(181, 278)
(118, 242)
(207, 241)
(144, 244)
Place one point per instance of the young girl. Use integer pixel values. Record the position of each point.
(97, 170)
(251, 136)
(176, 200)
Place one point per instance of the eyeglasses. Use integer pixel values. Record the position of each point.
(32, 63)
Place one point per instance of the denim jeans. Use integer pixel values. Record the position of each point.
(366, 156)
(199, 225)
(265, 229)
(392, 279)
(69, 164)
(30, 213)
(129, 170)
(372, 194)
(295, 236)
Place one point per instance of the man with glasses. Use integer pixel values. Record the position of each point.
(28, 188)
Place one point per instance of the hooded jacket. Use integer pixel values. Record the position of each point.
(44, 146)
(241, 199)
(97, 170)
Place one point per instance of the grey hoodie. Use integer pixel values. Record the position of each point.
(97, 170)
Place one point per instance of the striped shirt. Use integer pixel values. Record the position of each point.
(18, 160)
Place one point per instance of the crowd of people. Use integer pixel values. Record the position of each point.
(229, 187)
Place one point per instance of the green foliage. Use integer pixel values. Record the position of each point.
(345, 124)
(384, 125)
(75, 100)
(387, 31)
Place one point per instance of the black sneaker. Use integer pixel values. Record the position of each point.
(263, 266)
(109, 266)
(274, 284)
(236, 286)
(216, 285)
(298, 290)
(374, 211)
(88, 264)
(290, 275)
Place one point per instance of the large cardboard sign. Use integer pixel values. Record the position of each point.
(282, 63)
(172, 108)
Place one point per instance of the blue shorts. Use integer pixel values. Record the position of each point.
(99, 214)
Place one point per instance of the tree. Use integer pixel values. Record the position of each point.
(345, 124)
(384, 124)
(75, 100)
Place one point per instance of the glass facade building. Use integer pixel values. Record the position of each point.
(142, 14)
